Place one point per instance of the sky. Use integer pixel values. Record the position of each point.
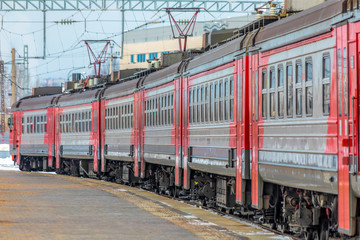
(65, 51)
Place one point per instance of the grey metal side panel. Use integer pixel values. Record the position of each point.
(220, 170)
(305, 178)
(34, 149)
(76, 151)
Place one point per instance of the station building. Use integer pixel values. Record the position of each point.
(147, 44)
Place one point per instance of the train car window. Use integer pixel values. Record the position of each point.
(145, 114)
(68, 118)
(272, 93)
(298, 90)
(161, 110)
(82, 122)
(129, 116)
(264, 94)
(309, 87)
(289, 92)
(78, 122)
(226, 100)
(280, 92)
(211, 102)
(190, 106)
(194, 105)
(165, 110)
(27, 125)
(72, 122)
(198, 105)
(231, 110)
(221, 101)
(216, 103)
(207, 102)
(339, 80)
(37, 124)
(61, 124)
(202, 112)
(86, 122)
(90, 121)
(157, 106)
(345, 83)
(75, 123)
(326, 73)
(109, 119)
(172, 109)
(125, 117)
(45, 123)
(168, 113)
(194, 97)
(41, 124)
(117, 117)
(150, 112)
(113, 118)
(22, 125)
(106, 119)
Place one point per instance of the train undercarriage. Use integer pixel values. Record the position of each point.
(306, 214)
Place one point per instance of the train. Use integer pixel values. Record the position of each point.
(264, 125)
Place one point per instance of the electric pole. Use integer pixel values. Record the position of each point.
(2, 106)
(13, 77)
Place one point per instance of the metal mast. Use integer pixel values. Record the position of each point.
(243, 6)
(2, 106)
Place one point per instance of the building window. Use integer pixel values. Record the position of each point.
(132, 58)
(326, 73)
(280, 92)
(298, 90)
(152, 56)
(141, 57)
(309, 87)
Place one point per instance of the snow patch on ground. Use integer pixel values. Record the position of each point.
(197, 222)
(4, 147)
(8, 164)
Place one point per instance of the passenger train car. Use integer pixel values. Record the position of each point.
(264, 125)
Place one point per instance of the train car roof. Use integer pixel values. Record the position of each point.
(308, 23)
(121, 89)
(78, 98)
(33, 103)
(215, 57)
(162, 76)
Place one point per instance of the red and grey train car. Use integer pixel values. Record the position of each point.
(77, 136)
(265, 125)
(32, 142)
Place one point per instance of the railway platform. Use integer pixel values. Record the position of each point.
(49, 206)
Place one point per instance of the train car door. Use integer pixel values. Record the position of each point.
(178, 123)
(17, 135)
(242, 117)
(346, 199)
(184, 110)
